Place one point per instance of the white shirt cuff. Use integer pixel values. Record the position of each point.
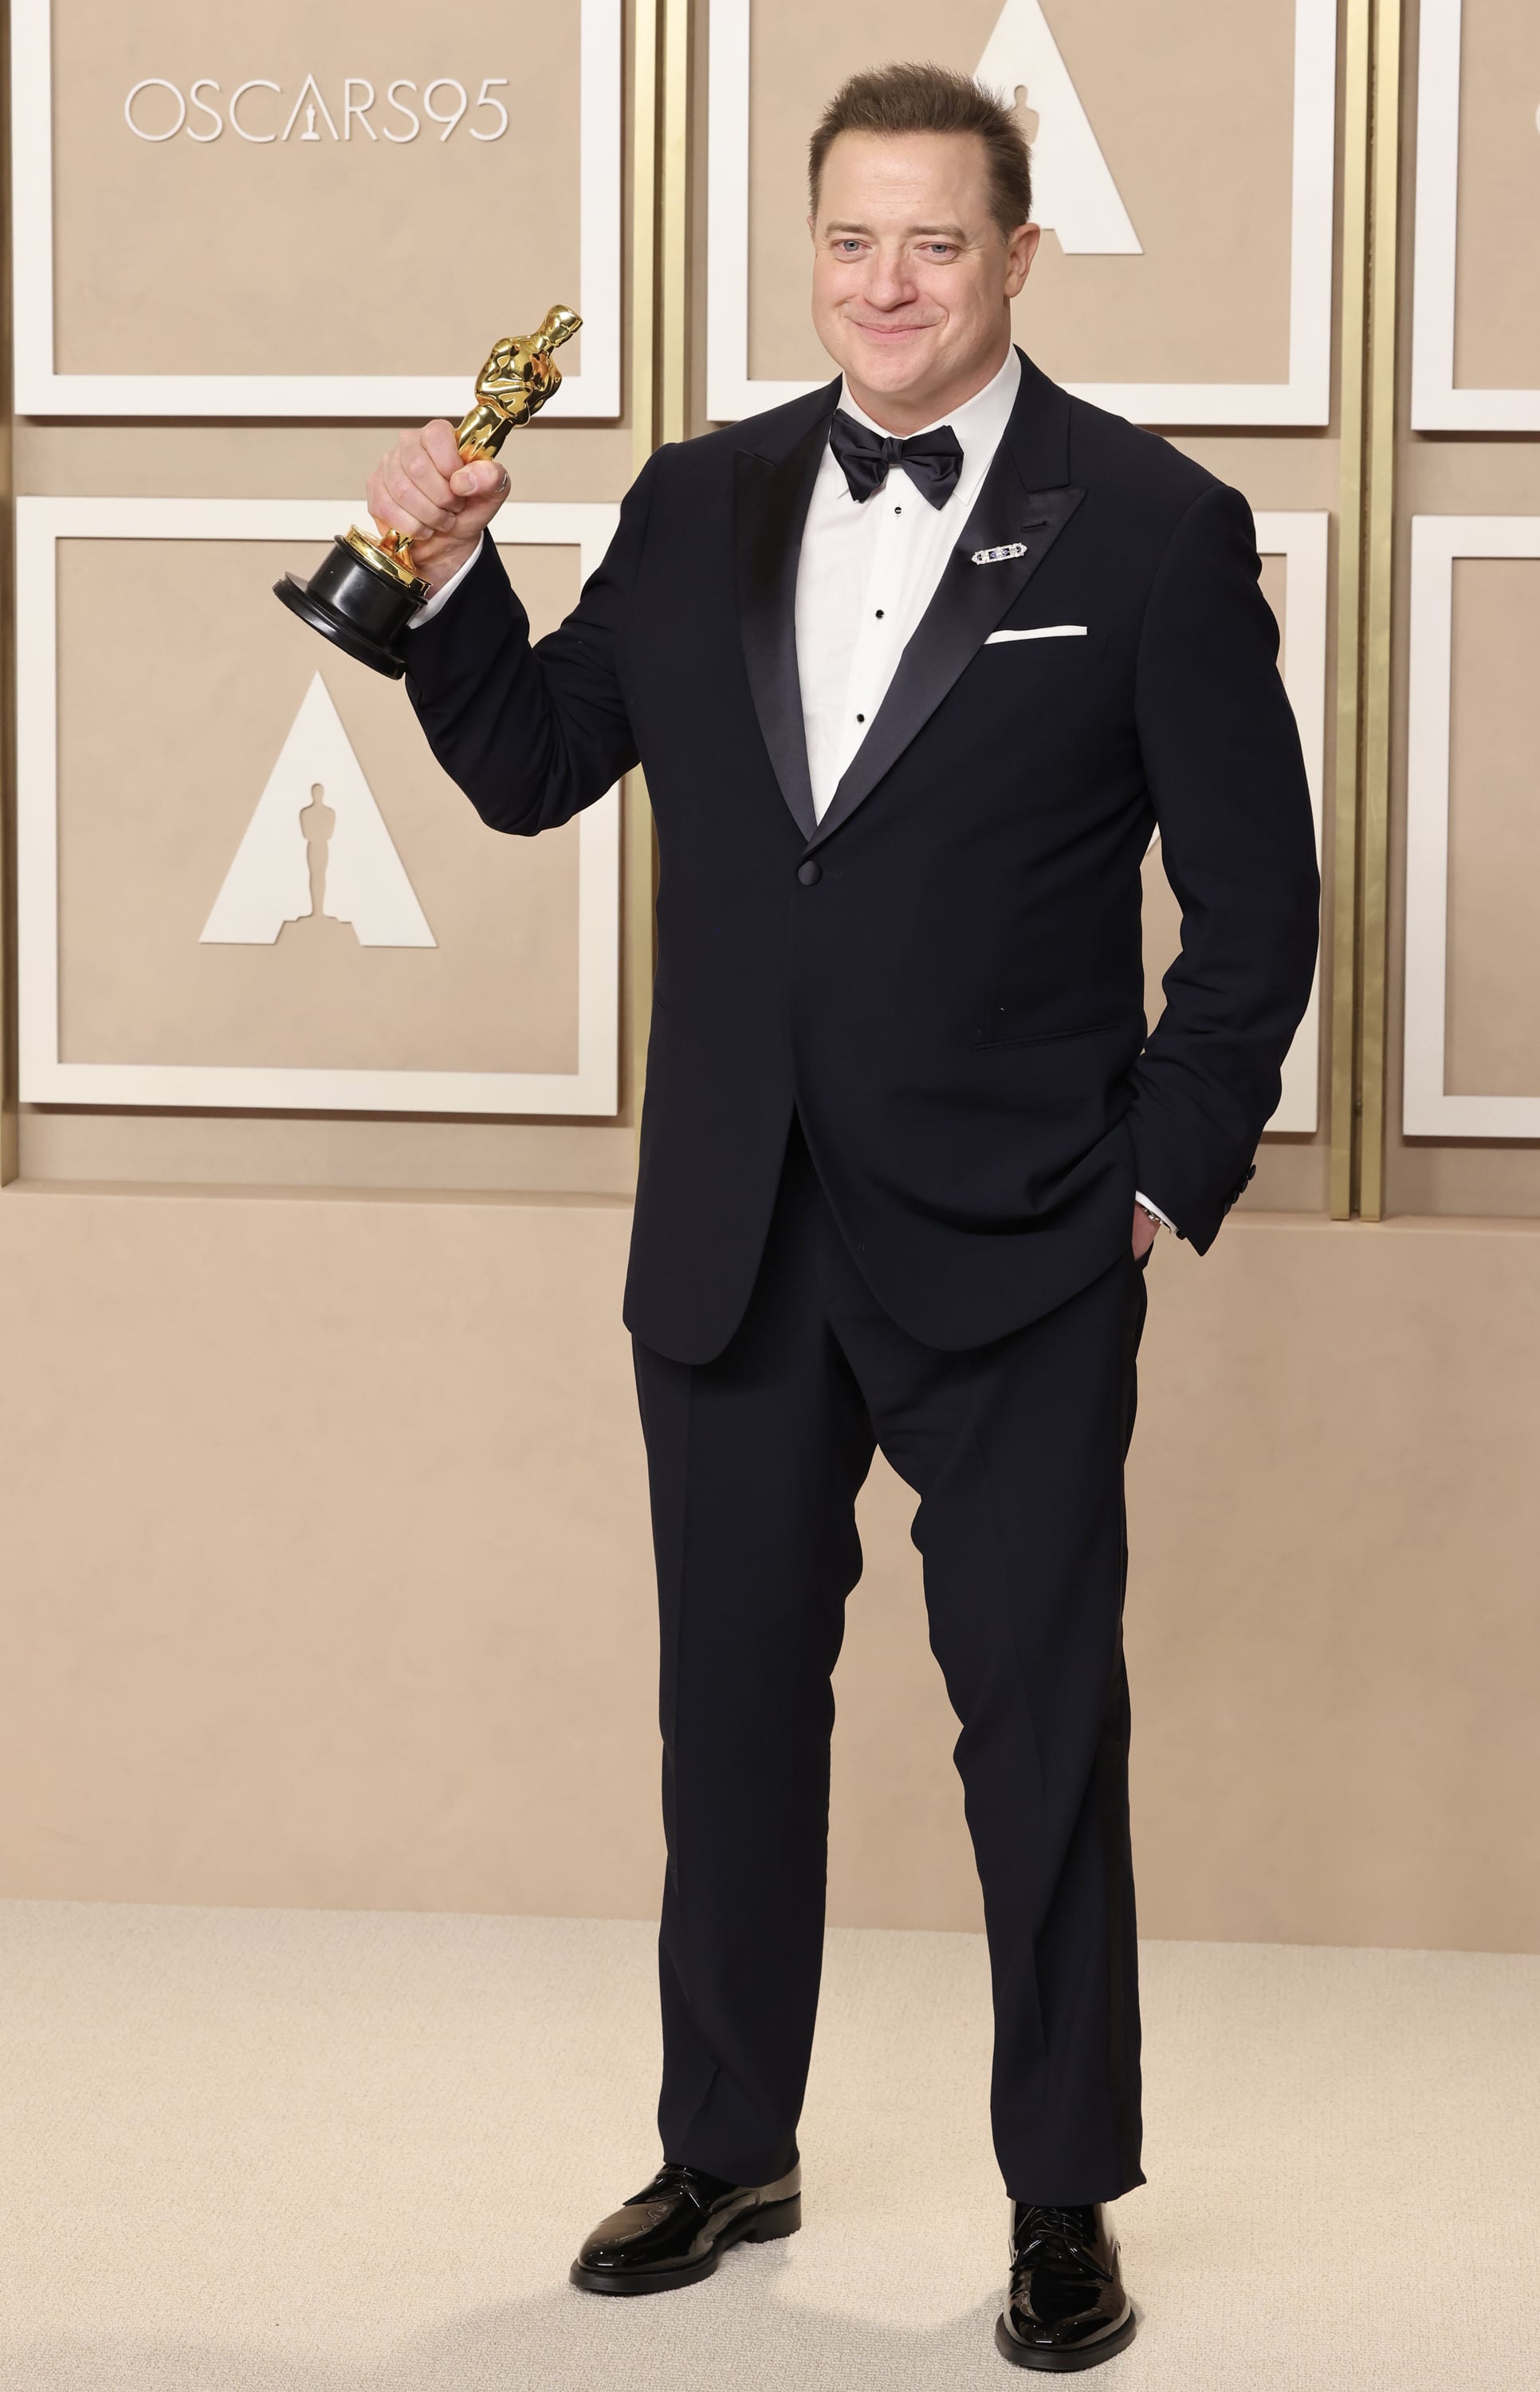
(440, 599)
(1165, 1218)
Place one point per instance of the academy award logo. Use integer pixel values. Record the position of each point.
(1073, 192)
(317, 845)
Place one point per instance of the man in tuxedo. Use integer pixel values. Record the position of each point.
(916, 666)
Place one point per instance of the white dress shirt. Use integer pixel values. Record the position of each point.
(868, 570)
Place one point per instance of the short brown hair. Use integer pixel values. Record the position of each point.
(923, 99)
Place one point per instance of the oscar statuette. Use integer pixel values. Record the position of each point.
(366, 592)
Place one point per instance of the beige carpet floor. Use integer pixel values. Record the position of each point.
(332, 2152)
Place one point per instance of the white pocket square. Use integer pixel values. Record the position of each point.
(1040, 631)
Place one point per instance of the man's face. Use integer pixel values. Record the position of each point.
(913, 278)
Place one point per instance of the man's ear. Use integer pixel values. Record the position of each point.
(812, 231)
(1020, 250)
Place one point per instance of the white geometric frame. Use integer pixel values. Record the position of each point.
(1304, 399)
(45, 1077)
(1428, 1109)
(1439, 403)
(593, 394)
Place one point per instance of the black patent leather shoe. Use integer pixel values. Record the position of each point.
(1066, 2307)
(675, 2229)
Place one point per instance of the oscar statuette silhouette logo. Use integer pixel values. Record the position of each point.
(1073, 193)
(367, 590)
(316, 848)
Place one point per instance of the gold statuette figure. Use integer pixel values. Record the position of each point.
(366, 592)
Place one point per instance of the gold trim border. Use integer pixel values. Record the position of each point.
(1370, 238)
(673, 187)
(640, 846)
(1354, 336)
(1378, 559)
(660, 31)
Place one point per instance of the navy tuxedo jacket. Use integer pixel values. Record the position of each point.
(944, 977)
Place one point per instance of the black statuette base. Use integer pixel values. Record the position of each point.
(363, 612)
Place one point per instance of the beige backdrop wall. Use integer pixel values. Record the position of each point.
(326, 1572)
(327, 1577)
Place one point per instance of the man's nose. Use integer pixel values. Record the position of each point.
(889, 281)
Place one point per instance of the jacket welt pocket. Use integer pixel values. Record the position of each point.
(1060, 643)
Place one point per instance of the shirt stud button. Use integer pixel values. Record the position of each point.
(809, 872)
(860, 718)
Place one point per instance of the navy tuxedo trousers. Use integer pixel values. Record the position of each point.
(1015, 1452)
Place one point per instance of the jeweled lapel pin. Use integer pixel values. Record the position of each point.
(999, 555)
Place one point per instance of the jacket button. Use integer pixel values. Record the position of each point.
(809, 872)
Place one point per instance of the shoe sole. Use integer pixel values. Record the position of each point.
(769, 2224)
(1062, 2362)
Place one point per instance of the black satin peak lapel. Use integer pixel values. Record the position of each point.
(969, 600)
(770, 501)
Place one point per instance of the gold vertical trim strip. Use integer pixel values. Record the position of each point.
(645, 210)
(674, 223)
(663, 30)
(1370, 186)
(637, 815)
(1379, 554)
(1356, 88)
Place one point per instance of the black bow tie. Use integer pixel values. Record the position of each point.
(932, 460)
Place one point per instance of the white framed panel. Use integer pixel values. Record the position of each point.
(1438, 403)
(1428, 1109)
(444, 387)
(1304, 399)
(45, 1076)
